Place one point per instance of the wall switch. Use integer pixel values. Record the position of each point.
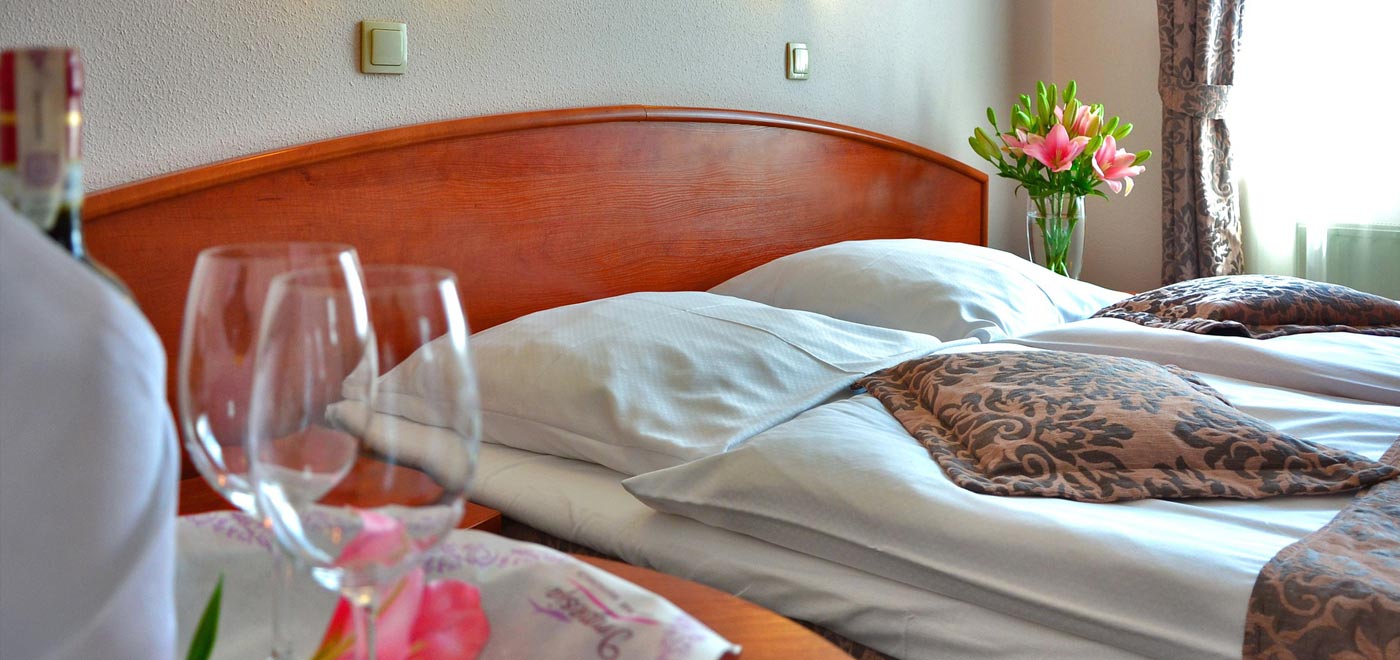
(383, 47)
(799, 64)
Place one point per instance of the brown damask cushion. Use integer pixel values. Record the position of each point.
(1101, 429)
(1334, 593)
(1259, 306)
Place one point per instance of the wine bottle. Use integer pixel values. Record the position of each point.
(41, 123)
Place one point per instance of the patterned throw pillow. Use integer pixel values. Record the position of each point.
(1259, 306)
(1101, 429)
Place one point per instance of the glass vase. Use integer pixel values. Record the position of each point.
(1055, 232)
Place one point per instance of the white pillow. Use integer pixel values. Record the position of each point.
(950, 290)
(651, 380)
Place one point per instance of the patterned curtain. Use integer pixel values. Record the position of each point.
(1201, 233)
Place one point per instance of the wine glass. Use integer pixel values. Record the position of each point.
(349, 490)
(223, 312)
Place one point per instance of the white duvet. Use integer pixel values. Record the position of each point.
(1166, 579)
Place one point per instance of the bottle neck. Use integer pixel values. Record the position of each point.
(68, 230)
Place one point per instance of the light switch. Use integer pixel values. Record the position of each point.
(383, 47)
(386, 48)
(798, 62)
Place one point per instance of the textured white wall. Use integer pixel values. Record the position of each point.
(178, 83)
(1111, 49)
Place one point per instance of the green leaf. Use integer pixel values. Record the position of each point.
(202, 644)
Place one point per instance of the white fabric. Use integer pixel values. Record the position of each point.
(535, 599)
(1161, 578)
(441, 452)
(650, 380)
(949, 290)
(87, 463)
(586, 503)
(1346, 364)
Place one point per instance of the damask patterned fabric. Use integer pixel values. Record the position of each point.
(1259, 306)
(1201, 233)
(1101, 429)
(1336, 592)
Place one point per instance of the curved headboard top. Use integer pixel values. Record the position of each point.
(541, 209)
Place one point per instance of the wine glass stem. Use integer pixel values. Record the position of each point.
(363, 615)
(284, 570)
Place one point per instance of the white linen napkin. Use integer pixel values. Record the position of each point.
(541, 603)
(88, 462)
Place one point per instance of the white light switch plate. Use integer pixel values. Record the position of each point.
(799, 61)
(383, 47)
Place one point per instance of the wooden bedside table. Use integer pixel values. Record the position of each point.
(764, 635)
(482, 518)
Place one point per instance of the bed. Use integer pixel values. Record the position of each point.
(722, 227)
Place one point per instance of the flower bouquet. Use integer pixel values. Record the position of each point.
(1059, 149)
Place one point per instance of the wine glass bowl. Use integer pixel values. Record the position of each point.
(359, 494)
(218, 343)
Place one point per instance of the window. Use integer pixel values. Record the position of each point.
(1314, 110)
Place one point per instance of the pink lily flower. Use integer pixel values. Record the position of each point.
(451, 623)
(1057, 150)
(1015, 144)
(1114, 166)
(381, 540)
(1085, 122)
(442, 620)
(394, 624)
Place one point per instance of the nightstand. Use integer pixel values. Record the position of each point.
(481, 518)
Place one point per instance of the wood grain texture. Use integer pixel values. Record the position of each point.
(763, 634)
(536, 210)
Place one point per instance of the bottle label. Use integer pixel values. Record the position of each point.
(46, 168)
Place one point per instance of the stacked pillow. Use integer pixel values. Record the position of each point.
(651, 380)
(647, 381)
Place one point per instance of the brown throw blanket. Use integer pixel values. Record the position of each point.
(1103, 429)
(1259, 306)
(1336, 592)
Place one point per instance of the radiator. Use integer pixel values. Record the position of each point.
(1363, 257)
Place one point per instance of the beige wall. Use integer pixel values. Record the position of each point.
(1111, 49)
(177, 84)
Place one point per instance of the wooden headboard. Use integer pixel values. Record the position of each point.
(541, 209)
